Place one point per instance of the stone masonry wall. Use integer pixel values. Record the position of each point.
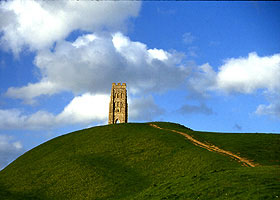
(118, 104)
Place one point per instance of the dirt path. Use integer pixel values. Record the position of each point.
(213, 148)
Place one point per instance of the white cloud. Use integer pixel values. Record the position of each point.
(38, 24)
(243, 75)
(272, 109)
(246, 75)
(7, 143)
(86, 109)
(202, 79)
(158, 54)
(33, 90)
(10, 118)
(93, 62)
(9, 149)
(15, 119)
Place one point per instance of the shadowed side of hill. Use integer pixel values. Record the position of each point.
(132, 161)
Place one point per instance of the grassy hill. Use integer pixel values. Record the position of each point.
(137, 161)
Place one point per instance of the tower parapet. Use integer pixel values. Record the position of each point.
(118, 107)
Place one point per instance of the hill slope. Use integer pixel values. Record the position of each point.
(138, 161)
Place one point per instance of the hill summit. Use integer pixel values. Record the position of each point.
(156, 160)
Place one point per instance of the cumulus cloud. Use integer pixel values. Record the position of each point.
(32, 90)
(202, 79)
(86, 109)
(38, 24)
(9, 149)
(93, 61)
(144, 109)
(15, 119)
(241, 75)
(272, 109)
(86, 66)
(246, 75)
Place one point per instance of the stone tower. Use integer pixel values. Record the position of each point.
(118, 104)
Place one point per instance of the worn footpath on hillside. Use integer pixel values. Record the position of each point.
(213, 148)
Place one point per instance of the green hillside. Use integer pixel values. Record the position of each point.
(138, 161)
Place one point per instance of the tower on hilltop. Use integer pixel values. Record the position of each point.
(118, 104)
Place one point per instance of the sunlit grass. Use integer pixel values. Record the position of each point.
(137, 161)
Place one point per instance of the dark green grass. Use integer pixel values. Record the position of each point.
(136, 161)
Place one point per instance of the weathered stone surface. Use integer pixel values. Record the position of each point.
(118, 104)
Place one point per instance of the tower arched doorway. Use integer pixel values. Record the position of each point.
(117, 121)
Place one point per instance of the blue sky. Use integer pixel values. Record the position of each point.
(211, 66)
